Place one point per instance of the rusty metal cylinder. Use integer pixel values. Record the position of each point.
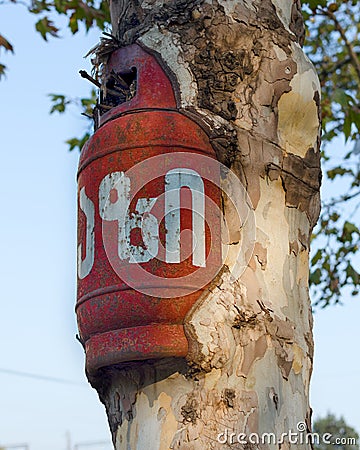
(148, 217)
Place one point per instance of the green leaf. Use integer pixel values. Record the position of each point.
(343, 98)
(2, 70)
(73, 23)
(73, 143)
(315, 277)
(350, 228)
(45, 26)
(347, 127)
(38, 7)
(355, 117)
(332, 173)
(316, 257)
(352, 274)
(6, 44)
(59, 103)
(77, 143)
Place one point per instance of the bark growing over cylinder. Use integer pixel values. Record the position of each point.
(238, 64)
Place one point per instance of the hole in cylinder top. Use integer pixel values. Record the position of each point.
(119, 87)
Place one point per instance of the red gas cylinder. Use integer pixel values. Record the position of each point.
(148, 217)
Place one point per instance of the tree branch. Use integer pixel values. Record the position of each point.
(323, 73)
(343, 198)
(340, 29)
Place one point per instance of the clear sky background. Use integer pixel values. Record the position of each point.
(38, 255)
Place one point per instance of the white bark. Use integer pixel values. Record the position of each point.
(250, 357)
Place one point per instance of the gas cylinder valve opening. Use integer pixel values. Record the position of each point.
(118, 88)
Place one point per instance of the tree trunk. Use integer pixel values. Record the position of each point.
(238, 64)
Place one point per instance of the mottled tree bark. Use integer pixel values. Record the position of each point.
(239, 64)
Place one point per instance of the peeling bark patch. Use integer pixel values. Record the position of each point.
(118, 386)
(132, 19)
(244, 319)
(234, 409)
(298, 359)
(161, 414)
(220, 319)
(261, 255)
(224, 142)
(294, 247)
(284, 359)
(228, 397)
(300, 176)
(297, 22)
(274, 398)
(252, 352)
(220, 71)
(298, 123)
(189, 411)
(304, 172)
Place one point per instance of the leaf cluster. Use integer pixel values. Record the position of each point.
(4, 45)
(88, 13)
(60, 103)
(333, 45)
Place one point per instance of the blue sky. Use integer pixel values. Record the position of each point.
(37, 264)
